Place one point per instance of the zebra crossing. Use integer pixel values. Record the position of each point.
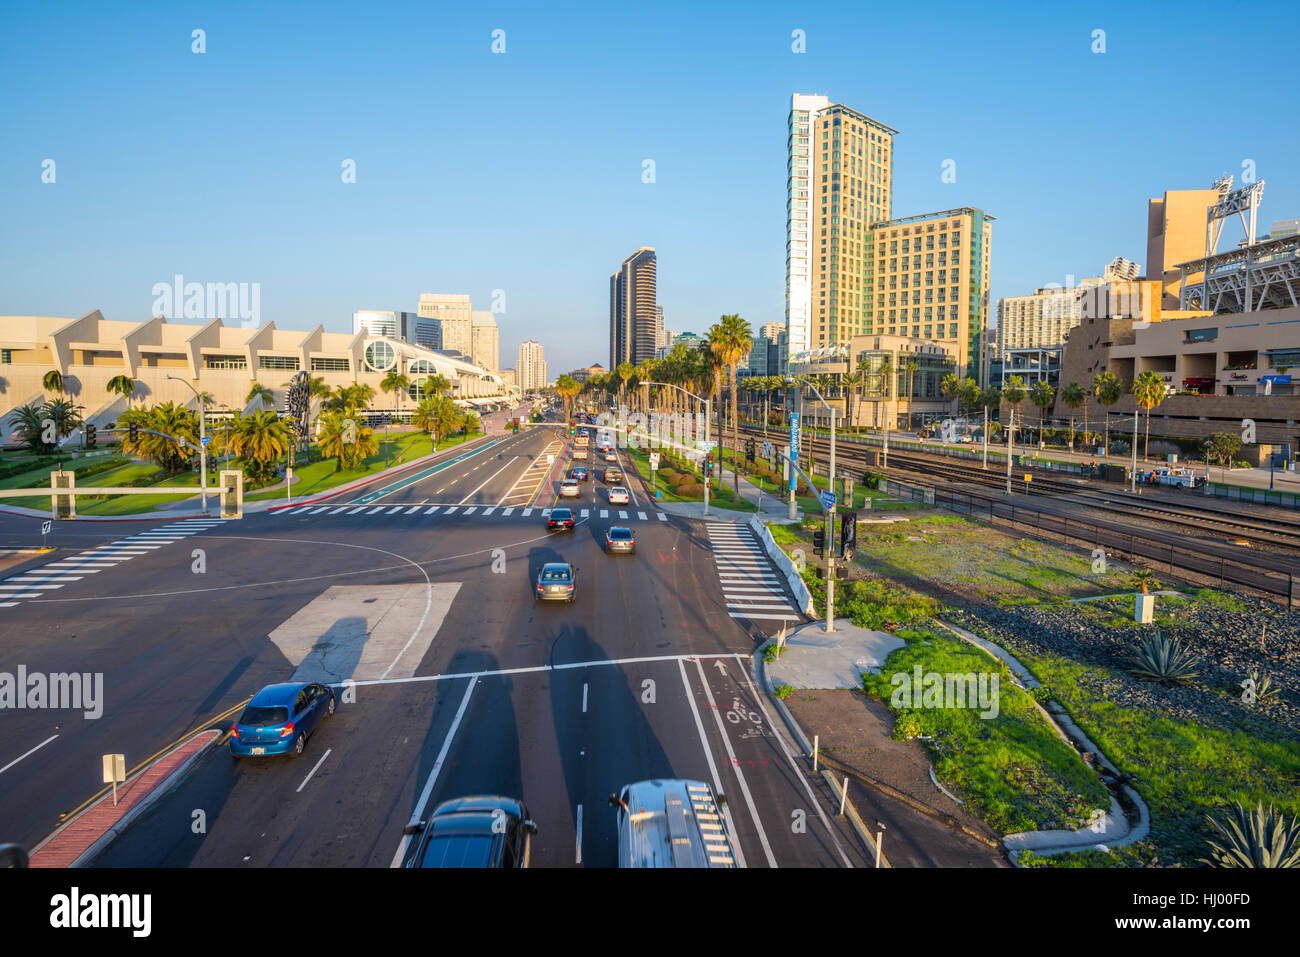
(474, 511)
(46, 578)
(752, 586)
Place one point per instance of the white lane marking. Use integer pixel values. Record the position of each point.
(313, 770)
(584, 697)
(604, 513)
(579, 836)
(433, 775)
(713, 768)
(415, 508)
(526, 512)
(10, 604)
(661, 516)
(751, 604)
(508, 511)
(735, 765)
(450, 510)
(339, 509)
(764, 616)
(641, 515)
(622, 514)
(29, 753)
(795, 764)
(394, 510)
(24, 588)
(431, 509)
(357, 510)
(469, 511)
(378, 508)
(489, 510)
(31, 580)
(486, 480)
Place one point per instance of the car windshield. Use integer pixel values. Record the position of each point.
(618, 491)
(622, 534)
(555, 575)
(260, 717)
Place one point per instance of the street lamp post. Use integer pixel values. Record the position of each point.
(203, 446)
(830, 512)
(708, 411)
(1134, 469)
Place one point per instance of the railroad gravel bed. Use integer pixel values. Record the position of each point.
(1227, 641)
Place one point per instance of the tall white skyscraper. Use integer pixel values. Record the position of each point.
(453, 313)
(486, 341)
(530, 369)
(798, 241)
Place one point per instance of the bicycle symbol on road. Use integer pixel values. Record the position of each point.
(740, 713)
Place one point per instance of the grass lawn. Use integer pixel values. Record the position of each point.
(721, 496)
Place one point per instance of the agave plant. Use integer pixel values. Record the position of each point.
(1263, 685)
(1164, 660)
(1264, 837)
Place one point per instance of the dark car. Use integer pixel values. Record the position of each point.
(613, 475)
(557, 581)
(561, 518)
(580, 473)
(481, 831)
(279, 719)
(620, 539)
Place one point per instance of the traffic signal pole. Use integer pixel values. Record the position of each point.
(830, 539)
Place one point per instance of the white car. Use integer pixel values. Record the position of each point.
(569, 489)
(618, 495)
(611, 457)
(580, 454)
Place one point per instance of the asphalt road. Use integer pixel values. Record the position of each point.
(419, 589)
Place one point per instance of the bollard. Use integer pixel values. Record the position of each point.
(816, 744)
(844, 795)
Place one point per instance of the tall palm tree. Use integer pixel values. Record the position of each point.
(910, 367)
(988, 398)
(260, 393)
(887, 384)
(1107, 389)
(397, 383)
(568, 388)
(261, 439)
(1149, 391)
(951, 387)
(1073, 396)
(1013, 391)
(729, 339)
(1042, 394)
(346, 439)
(851, 382)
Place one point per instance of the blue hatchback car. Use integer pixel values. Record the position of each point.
(280, 719)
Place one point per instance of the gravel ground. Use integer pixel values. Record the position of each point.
(1226, 638)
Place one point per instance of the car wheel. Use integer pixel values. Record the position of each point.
(299, 743)
(330, 709)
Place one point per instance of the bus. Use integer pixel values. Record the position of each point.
(671, 823)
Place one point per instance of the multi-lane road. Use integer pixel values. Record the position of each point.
(413, 596)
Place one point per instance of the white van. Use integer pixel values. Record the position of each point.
(671, 823)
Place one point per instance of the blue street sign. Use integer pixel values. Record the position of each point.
(205, 440)
(828, 498)
(794, 449)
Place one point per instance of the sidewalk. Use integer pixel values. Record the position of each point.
(772, 509)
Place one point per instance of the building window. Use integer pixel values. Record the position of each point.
(277, 362)
(380, 356)
(225, 362)
(330, 365)
(6, 357)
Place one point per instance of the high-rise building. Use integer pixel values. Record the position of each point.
(634, 319)
(850, 187)
(1284, 228)
(454, 316)
(530, 368)
(1120, 269)
(798, 226)
(931, 281)
(406, 326)
(661, 335)
(485, 340)
(770, 330)
(1037, 321)
(1176, 234)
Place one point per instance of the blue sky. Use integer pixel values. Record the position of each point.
(522, 171)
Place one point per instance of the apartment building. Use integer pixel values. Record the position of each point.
(454, 315)
(530, 367)
(485, 340)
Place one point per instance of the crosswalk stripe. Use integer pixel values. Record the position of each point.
(395, 510)
(585, 512)
(431, 509)
(604, 513)
(757, 605)
(339, 509)
(10, 604)
(641, 515)
(26, 587)
(527, 512)
(323, 508)
(357, 509)
(622, 514)
(470, 510)
(489, 510)
(762, 617)
(545, 512)
(661, 516)
(379, 508)
(509, 510)
(450, 510)
(413, 509)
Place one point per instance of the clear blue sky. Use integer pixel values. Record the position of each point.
(522, 171)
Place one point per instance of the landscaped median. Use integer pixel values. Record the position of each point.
(676, 481)
(1189, 745)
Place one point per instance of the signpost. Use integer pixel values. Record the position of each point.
(114, 772)
(793, 510)
(828, 498)
(654, 470)
(45, 530)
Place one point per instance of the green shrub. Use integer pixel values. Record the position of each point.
(690, 490)
(907, 725)
(783, 691)
(1164, 660)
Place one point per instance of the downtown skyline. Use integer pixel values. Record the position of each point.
(139, 197)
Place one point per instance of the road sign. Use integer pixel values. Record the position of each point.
(794, 436)
(706, 446)
(828, 498)
(767, 449)
(205, 440)
(45, 527)
(654, 461)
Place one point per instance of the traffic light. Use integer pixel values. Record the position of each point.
(90, 436)
(749, 449)
(571, 429)
(819, 542)
(848, 535)
(134, 432)
(708, 464)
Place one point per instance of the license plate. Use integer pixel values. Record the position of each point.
(257, 750)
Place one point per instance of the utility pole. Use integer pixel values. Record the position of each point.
(830, 538)
(1134, 470)
(1011, 428)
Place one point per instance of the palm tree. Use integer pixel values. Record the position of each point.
(28, 421)
(261, 439)
(260, 393)
(346, 439)
(988, 398)
(1107, 390)
(173, 423)
(568, 388)
(729, 339)
(1042, 395)
(1013, 391)
(1149, 391)
(53, 381)
(1073, 396)
(396, 383)
(887, 383)
(122, 385)
(910, 367)
(951, 387)
(852, 381)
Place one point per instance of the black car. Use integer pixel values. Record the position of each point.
(479, 831)
(561, 518)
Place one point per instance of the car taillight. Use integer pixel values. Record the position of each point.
(568, 588)
(540, 589)
(286, 730)
(234, 731)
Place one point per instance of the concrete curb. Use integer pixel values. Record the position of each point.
(1047, 843)
(150, 799)
(800, 590)
(764, 682)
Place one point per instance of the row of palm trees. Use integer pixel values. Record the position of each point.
(699, 372)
